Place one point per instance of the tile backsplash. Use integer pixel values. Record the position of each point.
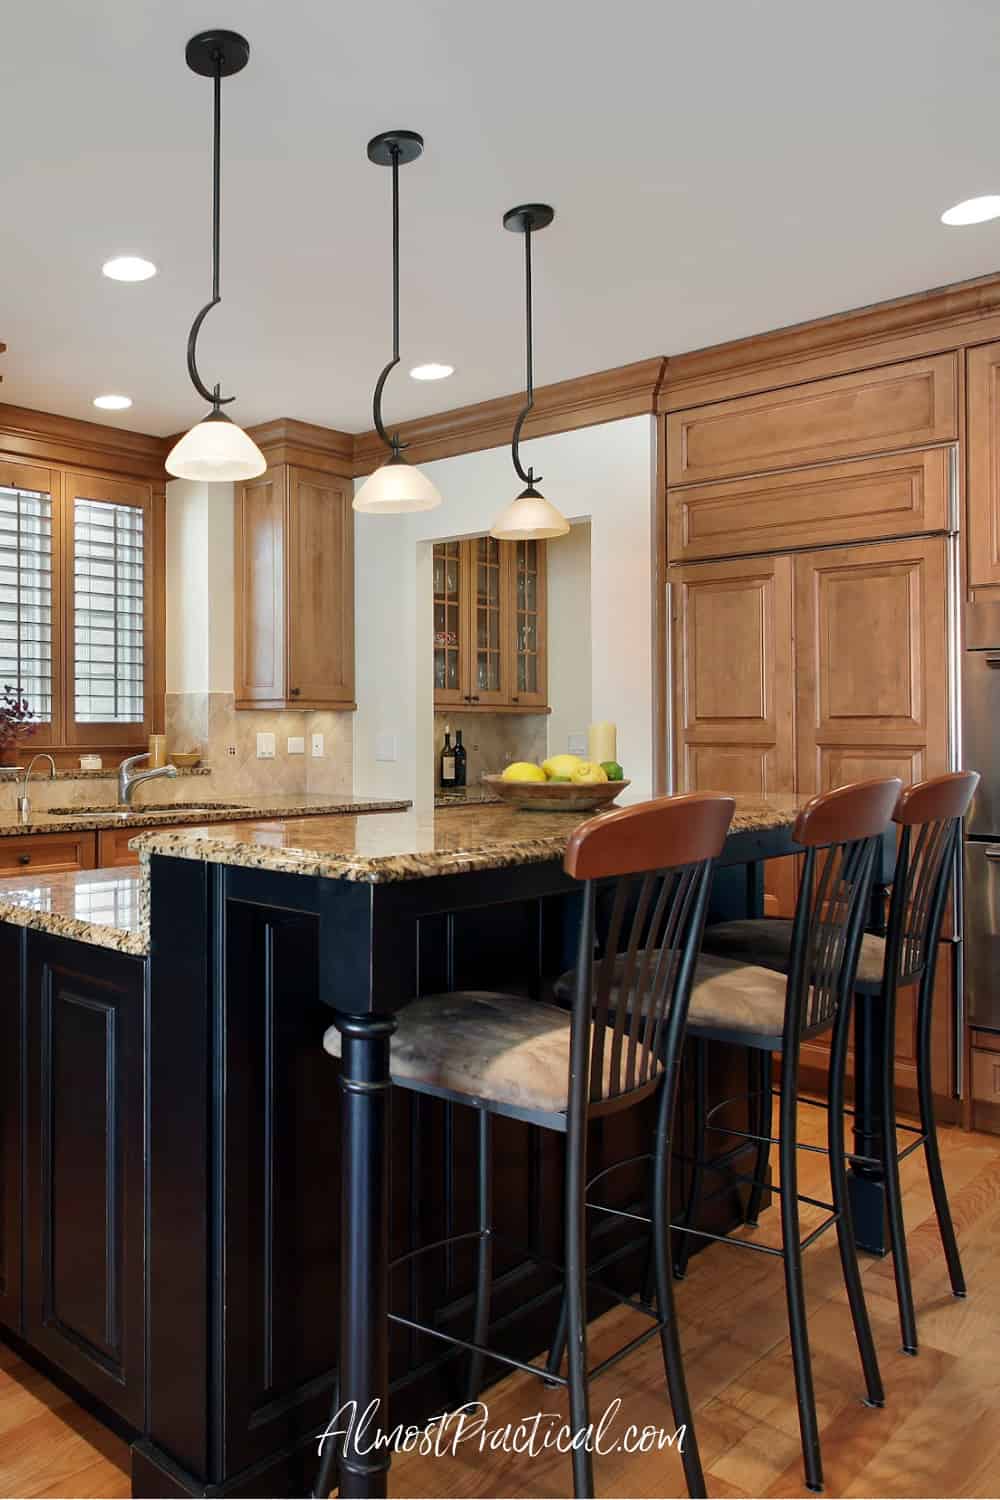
(227, 739)
(492, 740)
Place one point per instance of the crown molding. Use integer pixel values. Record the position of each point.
(285, 440)
(907, 327)
(604, 396)
(43, 437)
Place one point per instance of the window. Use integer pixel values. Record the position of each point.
(76, 606)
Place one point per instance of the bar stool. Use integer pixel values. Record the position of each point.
(929, 815)
(504, 1055)
(743, 1004)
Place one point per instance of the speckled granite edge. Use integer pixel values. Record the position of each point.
(107, 773)
(165, 816)
(96, 934)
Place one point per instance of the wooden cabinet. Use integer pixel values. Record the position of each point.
(733, 676)
(46, 853)
(83, 1198)
(294, 638)
(113, 850)
(983, 396)
(871, 663)
(490, 625)
(908, 405)
(893, 495)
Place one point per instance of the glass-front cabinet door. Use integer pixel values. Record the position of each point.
(450, 670)
(529, 686)
(489, 666)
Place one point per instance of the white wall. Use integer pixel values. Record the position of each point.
(570, 646)
(604, 474)
(199, 587)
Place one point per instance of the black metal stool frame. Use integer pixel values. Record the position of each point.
(643, 1057)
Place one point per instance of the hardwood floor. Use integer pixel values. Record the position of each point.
(939, 1433)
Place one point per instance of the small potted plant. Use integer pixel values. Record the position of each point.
(15, 723)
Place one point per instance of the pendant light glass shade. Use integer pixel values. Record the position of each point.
(529, 518)
(216, 450)
(394, 489)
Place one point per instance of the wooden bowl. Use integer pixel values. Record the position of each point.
(554, 796)
(185, 758)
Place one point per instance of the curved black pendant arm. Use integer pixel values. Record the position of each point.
(390, 442)
(196, 380)
(393, 443)
(192, 363)
(528, 476)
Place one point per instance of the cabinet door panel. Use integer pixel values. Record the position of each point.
(451, 668)
(84, 1288)
(320, 566)
(872, 662)
(526, 626)
(869, 411)
(11, 1102)
(47, 853)
(733, 690)
(850, 502)
(983, 389)
(260, 590)
(487, 615)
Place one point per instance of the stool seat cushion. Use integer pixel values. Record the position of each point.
(737, 1002)
(491, 1047)
(767, 941)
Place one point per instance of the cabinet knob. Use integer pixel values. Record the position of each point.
(295, 692)
(24, 859)
(515, 700)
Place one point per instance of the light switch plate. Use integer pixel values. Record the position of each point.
(577, 744)
(265, 747)
(387, 747)
(317, 745)
(296, 744)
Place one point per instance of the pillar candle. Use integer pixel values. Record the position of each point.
(603, 741)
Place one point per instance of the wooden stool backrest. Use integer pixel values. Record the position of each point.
(840, 831)
(930, 815)
(660, 856)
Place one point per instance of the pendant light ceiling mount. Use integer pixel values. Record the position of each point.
(215, 450)
(529, 517)
(396, 487)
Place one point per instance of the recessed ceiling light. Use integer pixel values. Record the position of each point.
(432, 372)
(113, 403)
(129, 268)
(973, 210)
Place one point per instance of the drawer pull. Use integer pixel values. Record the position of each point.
(24, 859)
(993, 852)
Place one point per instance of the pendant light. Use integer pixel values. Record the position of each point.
(397, 486)
(216, 449)
(529, 517)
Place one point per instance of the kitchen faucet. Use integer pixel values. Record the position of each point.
(128, 779)
(24, 802)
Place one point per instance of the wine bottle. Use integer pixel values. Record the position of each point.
(448, 764)
(460, 759)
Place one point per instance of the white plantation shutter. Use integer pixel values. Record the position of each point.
(26, 596)
(108, 612)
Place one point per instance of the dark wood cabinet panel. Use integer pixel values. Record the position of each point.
(11, 1122)
(84, 1199)
(47, 853)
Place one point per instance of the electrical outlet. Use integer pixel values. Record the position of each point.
(386, 747)
(577, 744)
(231, 750)
(317, 745)
(265, 747)
(296, 744)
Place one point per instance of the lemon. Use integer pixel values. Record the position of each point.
(561, 765)
(589, 773)
(523, 770)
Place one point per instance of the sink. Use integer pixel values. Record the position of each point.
(189, 809)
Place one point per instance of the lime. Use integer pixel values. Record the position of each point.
(612, 770)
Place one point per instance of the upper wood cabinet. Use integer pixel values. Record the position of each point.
(294, 590)
(892, 495)
(490, 625)
(733, 678)
(983, 394)
(907, 405)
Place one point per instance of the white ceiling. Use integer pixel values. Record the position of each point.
(718, 167)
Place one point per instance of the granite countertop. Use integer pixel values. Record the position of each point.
(158, 815)
(102, 907)
(464, 796)
(411, 845)
(74, 773)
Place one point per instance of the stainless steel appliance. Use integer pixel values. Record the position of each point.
(981, 752)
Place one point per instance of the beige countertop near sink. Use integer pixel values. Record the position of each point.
(169, 814)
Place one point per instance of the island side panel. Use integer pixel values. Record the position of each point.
(12, 1096)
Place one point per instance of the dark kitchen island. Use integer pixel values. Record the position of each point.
(200, 1203)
